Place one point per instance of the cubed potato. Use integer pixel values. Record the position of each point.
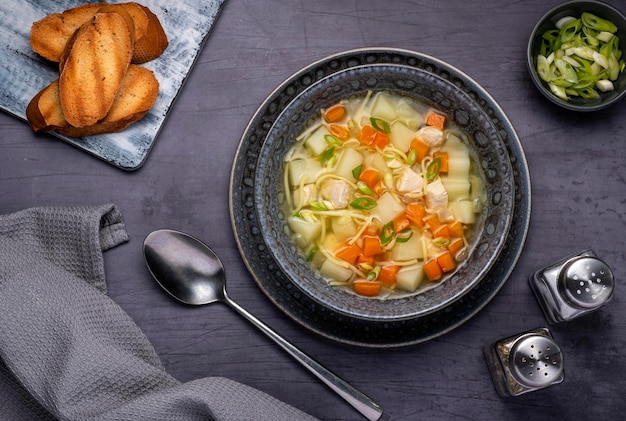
(332, 242)
(409, 115)
(458, 163)
(457, 188)
(401, 136)
(307, 230)
(388, 208)
(334, 271)
(316, 142)
(463, 210)
(376, 161)
(344, 227)
(348, 160)
(410, 250)
(383, 107)
(308, 168)
(409, 278)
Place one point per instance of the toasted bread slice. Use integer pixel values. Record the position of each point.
(44, 111)
(93, 66)
(50, 35)
(136, 96)
(151, 43)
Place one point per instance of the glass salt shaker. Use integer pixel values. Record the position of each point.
(573, 286)
(525, 362)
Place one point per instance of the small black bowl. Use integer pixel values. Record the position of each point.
(547, 22)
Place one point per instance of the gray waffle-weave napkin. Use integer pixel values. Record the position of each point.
(68, 352)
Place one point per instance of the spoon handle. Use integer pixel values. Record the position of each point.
(358, 400)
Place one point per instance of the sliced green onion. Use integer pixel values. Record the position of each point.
(543, 68)
(569, 30)
(412, 157)
(588, 93)
(388, 179)
(318, 206)
(380, 125)
(311, 254)
(327, 155)
(605, 36)
(356, 172)
(387, 233)
(432, 171)
(578, 54)
(441, 242)
(332, 140)
(363, 203)
(404, 235)
(594, 22)
(364, 188)
(373, 274)
(605, 85)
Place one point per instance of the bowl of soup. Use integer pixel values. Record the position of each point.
(380, 190)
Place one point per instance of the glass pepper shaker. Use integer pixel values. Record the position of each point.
(525, 362)
(573, 286)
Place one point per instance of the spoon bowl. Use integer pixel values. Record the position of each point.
(192, 273)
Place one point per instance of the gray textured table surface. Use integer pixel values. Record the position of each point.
(579, 199)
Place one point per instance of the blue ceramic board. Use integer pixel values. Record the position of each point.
(23, 73)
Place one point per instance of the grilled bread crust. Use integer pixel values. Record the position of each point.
(93, 66)
(49, 36)
(101, 87)
(138, 92)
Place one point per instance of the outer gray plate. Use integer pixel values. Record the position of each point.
(286, 295)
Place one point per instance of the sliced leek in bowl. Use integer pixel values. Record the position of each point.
(575, 55)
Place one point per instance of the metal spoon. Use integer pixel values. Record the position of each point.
(192, 273)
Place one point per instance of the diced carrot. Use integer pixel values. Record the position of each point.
(335, 113)
(456, 245)
(380, 140)
(365, 260)
(401, 222)
(349, 253)
(367, 288)
(435, 119)
(433, 270)
(455, 228)
(446, 262)
(372, 137)
(341, 132)
(432, 221)
(371, 246)
(388, 274)
(415, 213)
(370, 176)
(380, 188)
(441, 232)
(443, 161)
(421, 149)
(367, 134)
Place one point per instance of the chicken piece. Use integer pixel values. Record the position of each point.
(338, 192)
(437, 196)
(409, 181)
(306, 194)
(430, 135)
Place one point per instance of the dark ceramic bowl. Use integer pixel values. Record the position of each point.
(547, 22)
(489, 152)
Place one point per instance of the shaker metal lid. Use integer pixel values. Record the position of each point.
(586, 282)
(536, 361)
